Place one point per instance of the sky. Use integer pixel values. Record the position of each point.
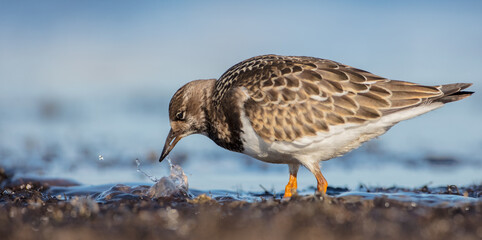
(75, 47)
(109, 62)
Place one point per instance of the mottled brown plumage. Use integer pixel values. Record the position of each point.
(292, 97)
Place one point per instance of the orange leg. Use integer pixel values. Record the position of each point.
(322, 183)
(292, 184)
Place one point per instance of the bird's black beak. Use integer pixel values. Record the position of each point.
(171, 141)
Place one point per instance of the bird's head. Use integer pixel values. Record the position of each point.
(187, 112)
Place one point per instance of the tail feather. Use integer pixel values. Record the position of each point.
(453, 92)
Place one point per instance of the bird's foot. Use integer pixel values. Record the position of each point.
(291, 187)
(322, 184)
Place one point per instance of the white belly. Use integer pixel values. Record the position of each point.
(324, 146)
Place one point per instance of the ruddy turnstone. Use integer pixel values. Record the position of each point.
(298, 110)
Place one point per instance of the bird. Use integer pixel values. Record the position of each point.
(298, 110)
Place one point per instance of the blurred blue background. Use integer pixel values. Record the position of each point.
(80, 79)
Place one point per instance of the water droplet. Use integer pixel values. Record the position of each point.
(170, 162)
(154, 179)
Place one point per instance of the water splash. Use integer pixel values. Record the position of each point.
(176, 184)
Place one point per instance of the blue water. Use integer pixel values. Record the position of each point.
(82, 80)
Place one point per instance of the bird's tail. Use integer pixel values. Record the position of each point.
(453, 92)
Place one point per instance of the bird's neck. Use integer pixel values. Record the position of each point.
(223, 124)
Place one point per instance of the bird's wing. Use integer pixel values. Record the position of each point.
(293, 97)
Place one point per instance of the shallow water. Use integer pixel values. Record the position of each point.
(38, 207)
(175, 186)
(32, 206)
(433, 197)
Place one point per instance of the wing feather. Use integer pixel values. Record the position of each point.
(292, 97)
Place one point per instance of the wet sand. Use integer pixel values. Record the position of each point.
(30, 209)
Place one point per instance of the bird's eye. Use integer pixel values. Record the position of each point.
(180, 115)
